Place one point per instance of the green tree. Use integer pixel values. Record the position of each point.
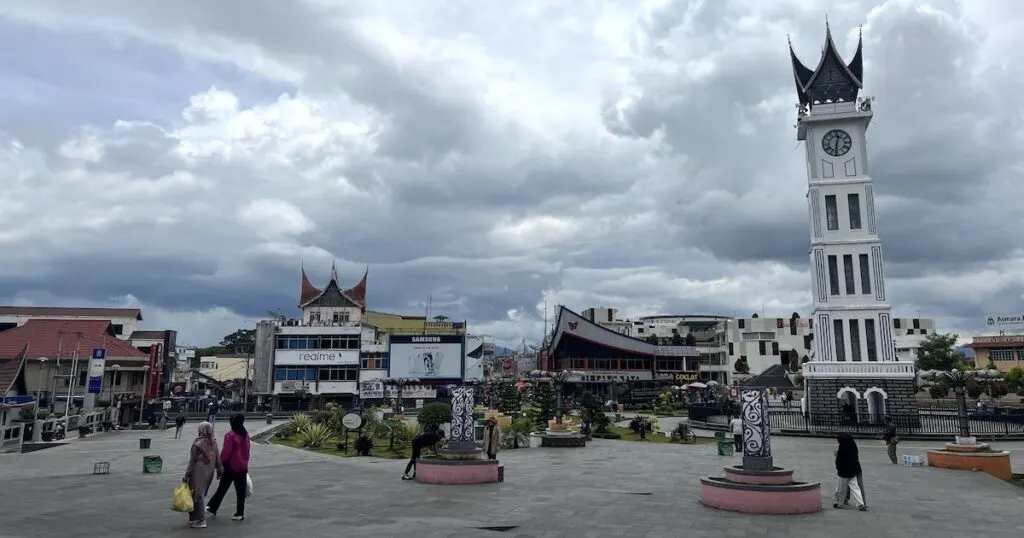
(677, 339)
(653, 338)
(1015, 379)
(544, 401)
(938, 352)
(509, 401)
(938, 391)
(240, 341)
(433, 415)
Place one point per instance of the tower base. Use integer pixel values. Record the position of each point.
(834, 401)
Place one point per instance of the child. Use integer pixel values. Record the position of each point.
(848, 467)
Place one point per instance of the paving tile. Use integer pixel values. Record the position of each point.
(548, 492)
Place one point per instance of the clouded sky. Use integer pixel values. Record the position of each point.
(187, 156)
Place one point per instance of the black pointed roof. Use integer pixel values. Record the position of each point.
(833, 79)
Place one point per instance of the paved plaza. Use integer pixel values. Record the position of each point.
(611, 488)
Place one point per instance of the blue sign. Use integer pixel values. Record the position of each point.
(95, 385)
(96, 366)
(99, 352)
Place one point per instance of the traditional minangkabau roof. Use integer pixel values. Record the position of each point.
(833, 80)
(309, 293)
(10, 369)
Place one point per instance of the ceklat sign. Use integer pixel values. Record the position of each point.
(295, 357)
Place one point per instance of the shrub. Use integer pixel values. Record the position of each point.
(997, 389)
(642, 425)
(433, 415)
(938, 391)
(286, 431)
(315, 436)
(607, 435)
(363, 445)
(974, 389)
(301, 421)
(401, 436)
(683, 433)
(520, 434)
(330, 416)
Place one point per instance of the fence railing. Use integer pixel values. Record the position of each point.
(11, 437)
(942, 421)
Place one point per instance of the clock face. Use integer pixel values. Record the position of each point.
(836, 142)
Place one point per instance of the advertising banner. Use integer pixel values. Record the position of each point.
(375, 389)
(96, 365)
(316, 357)
(1013, 321)
(474, 361)
(427, 356)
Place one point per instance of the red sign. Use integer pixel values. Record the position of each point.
(734, 392)
(507, 365)
(178, 389)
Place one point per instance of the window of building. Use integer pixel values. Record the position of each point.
(761, 348)
(639, 330)
(339, 374)
(831, 212)
(869, 340)
(731, 349)
(340, 317)
(917, 323)
(895, 323)
(865, 275)
(853, 203)
(741, 323)
(83, 378)
(840, 336)
(138, 378)
(848, 270)
(1000, 355)
(117, 328)
(855, 340)
(833, 275)
(117, 377)
(924, 331)
(294, 373)
(775, 348)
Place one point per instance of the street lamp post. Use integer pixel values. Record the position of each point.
(36, 434)
(110, 393)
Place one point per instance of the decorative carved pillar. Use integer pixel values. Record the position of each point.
(757, 446)
(462, 439)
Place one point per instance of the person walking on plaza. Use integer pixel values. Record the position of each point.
(492, 438)
(848, 467)
(211, 413)
(891, 439)
(235, 457)
(736, 424)
(202, 464)
(421, 441)
(179, 423)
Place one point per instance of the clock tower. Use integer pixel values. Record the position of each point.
(855, 374)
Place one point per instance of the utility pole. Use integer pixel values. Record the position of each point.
(245, 387)
(72, 379)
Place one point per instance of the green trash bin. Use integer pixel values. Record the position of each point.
(152, 464)
(144, 443)
(725, 448)
(719, 436)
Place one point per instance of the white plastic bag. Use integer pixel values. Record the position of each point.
(248, 486)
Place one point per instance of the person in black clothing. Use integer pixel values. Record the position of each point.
(890, 438)
(421, 441)
(179, 423)
(848, 467)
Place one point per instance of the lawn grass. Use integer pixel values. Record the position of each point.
(378, 450)
(627, 434)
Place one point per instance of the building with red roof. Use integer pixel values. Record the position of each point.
(53, 355)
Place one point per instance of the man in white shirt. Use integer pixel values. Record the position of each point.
(737, 432)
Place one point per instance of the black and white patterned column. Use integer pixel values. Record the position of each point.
(462, 439)
(757, 445)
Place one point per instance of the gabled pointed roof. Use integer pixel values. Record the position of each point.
(307, 291)
(10, 369)
(356, 294)
(833, 79)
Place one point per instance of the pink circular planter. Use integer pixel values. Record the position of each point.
(776, 476)
(434, 471)
(783, 499)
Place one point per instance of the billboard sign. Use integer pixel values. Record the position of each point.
(97, 363)
(375, 390)
(316, 357)
(474, 361)
(427, 356)
(1013, 321)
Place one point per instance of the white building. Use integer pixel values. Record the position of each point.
(124, 321)
(855, 367)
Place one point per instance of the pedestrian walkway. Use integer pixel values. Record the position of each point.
(611, 488)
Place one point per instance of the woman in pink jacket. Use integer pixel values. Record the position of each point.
(235, 457)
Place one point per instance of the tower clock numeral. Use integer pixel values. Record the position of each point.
(836, 142)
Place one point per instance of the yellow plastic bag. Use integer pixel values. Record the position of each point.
(182, 499)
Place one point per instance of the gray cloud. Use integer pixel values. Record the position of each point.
(632, 157)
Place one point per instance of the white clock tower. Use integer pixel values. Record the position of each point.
(855, 374)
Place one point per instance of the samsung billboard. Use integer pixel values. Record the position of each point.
(427, 356)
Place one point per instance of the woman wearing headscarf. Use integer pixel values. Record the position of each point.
(235, 457)
(492, 438)
(202, 464)
(848, 467)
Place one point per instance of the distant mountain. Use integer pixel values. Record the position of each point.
(966, 351)
(500, 351)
